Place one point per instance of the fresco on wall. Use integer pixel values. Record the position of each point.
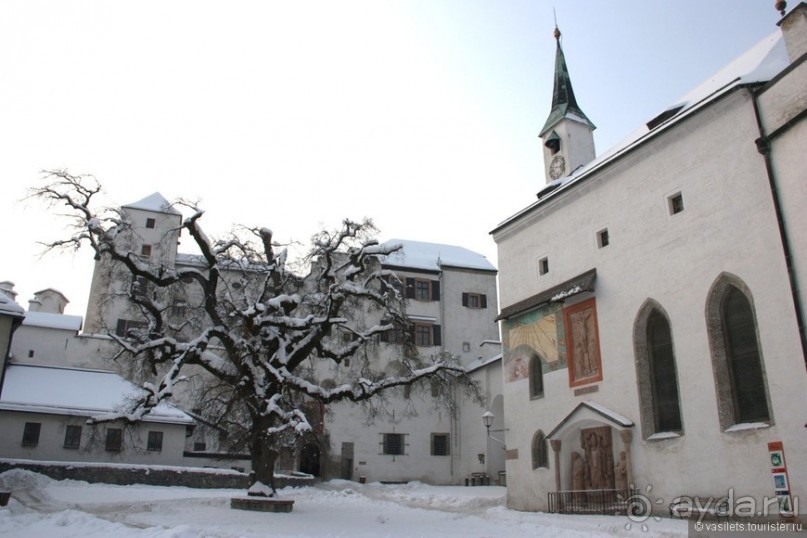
(537, 332)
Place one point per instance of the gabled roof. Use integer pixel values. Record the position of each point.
(758, 65)
(154, 202)
(434, 257)
(74, 391)
(588, 411)
(564, 103)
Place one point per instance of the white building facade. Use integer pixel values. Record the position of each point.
(651, 316)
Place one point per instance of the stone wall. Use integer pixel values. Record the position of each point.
(154, 476)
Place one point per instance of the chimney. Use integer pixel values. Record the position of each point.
(794, 29)
(7, 289)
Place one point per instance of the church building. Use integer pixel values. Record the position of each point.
(653, 300)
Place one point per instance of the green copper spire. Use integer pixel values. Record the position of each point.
(563, 100)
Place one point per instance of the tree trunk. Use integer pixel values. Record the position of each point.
(264, 456)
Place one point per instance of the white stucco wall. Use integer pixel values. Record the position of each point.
(727, 226)
(51, 441)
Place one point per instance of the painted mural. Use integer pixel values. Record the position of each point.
(538, 332)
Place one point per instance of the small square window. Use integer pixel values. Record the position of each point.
(466, 347)
(543, 266)
(114, 440)
(676, 203)
(145, 251)
(199, 446)
(603, 240)
(150, 223)
(30, 353)
(72, 437)
(30, 434)
(155, 442)
(440, 445)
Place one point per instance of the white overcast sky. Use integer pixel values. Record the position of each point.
(420, 114)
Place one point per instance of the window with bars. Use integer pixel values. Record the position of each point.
(30, 433)
(440, 444)
(393, 444)
(72, 437)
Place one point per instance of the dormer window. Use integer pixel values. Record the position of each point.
(664, 116)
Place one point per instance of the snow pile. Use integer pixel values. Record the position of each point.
(45, 508)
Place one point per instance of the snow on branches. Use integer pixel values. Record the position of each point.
(237, 311)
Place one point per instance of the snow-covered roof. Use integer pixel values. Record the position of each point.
(74, 391)
(154, 202)
(476, 364)
(9, 307)
(52, 321)
(759, 64)
(434, 256)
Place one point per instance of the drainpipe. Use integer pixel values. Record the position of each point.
(764, 148)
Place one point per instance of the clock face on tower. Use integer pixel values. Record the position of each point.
(557, 167)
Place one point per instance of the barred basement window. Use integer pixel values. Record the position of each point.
(440, 444)
(393, 444)
(155, 442)
(199, 446)
(72, 437)
(30, 433)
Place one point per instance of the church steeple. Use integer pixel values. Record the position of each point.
(568, 133)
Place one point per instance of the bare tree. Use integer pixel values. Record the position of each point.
(263, 327)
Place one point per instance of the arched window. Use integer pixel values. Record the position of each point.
(663, 378)
(536, 377)
(742, 394)
(656, 372)
(540, 454)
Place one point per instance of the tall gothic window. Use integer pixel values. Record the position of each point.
(656, 372)
(745, 366)
(663, 379)
(540, 454)
(742, 393)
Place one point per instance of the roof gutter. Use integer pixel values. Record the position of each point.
(764, 147)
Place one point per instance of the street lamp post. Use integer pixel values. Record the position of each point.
(487, 420)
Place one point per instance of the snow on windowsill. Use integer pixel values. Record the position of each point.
(748, 426)
(664, 435)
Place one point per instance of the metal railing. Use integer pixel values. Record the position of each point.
(593, 501)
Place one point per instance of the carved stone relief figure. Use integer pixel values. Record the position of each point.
(621, 472)
(596, 443)
(578, 472)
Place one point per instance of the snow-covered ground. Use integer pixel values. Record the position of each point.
(43, 508)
